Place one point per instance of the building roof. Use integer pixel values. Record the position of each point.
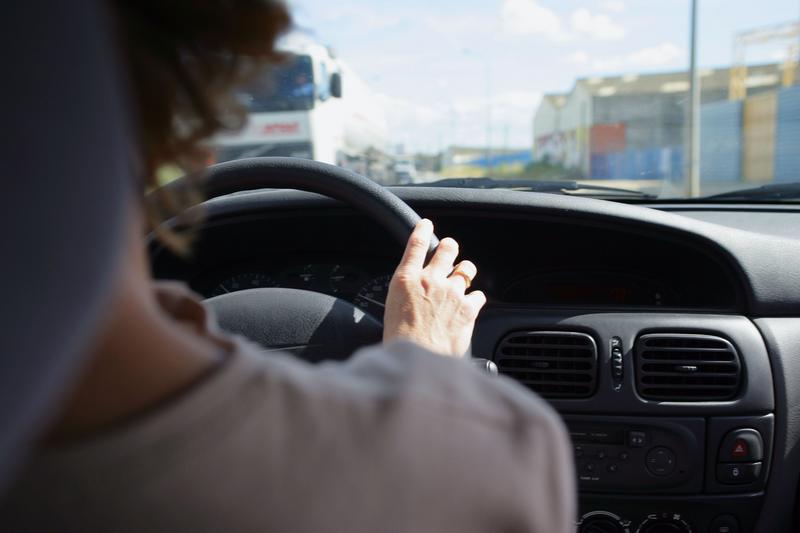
(758, 76)
(556, 100)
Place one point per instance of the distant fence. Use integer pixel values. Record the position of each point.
(647, 164)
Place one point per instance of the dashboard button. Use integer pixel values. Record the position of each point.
(637, 439)
(660, 461)
(613, 467)
(724, 524)
(741, 446)
(623, 456)
(738, 473)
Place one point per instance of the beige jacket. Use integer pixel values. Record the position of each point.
(397, 439)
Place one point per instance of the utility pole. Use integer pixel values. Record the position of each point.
(488, 119)
(488, 73)
(692, 163)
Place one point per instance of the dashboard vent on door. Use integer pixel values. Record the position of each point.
(556, 364)
(686, 368)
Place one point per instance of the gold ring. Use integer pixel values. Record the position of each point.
(464, 276)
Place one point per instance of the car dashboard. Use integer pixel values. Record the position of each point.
(667, 343)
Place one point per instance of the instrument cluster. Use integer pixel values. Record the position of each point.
(365, 288)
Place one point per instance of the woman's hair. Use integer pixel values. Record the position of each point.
(185, 59)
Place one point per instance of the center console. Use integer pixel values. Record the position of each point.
(671, 416)
(713, 467)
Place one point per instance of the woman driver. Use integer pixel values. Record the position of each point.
(174, 426)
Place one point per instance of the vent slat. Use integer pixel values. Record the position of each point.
(554, 364)
(537, 372)
(549, 358)
(704, 373)
(674, 349)
(550, 346)
(687, 386)
(674, 356)
(686, 367)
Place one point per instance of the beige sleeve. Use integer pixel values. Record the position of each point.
(480, 452)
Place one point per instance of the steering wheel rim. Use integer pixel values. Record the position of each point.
(357, 191)
(313, 325)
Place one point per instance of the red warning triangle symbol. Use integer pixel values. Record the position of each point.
(739, 448)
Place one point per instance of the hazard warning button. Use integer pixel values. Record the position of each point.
(741, 446)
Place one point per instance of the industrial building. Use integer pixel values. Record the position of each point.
(633, 126)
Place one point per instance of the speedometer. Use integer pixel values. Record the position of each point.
(240, 282)
(372, 296)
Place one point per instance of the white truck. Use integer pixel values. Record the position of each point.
(312, 106)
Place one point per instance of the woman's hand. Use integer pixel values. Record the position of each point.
(428, 304)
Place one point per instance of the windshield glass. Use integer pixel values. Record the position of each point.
(286, 87)
(671, 98)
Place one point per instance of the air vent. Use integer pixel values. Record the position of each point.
(556, 364)
(686, 368)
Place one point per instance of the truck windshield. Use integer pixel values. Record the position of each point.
(287, 87)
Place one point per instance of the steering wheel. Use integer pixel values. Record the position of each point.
(311, 325)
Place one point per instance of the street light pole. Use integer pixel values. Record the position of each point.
(692, 164)
(488, 119)
(488, 72)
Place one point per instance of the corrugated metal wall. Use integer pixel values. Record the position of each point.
(787, 135)
(720, 142)
(758, 135)
(607, 138)
(651, 163)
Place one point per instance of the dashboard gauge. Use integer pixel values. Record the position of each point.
(344, 280)
(240, 282)
(372, 296)
(309, 277)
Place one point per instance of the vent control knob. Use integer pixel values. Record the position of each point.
(603, 522)
(664, 523)
(660, 461)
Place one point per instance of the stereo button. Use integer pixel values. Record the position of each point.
(660, 461)
(637, 439)
(738, 473)
(724, 524)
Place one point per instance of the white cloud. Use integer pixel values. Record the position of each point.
(615, 6)
(578, 58)
(528, 17)
(661, 55)
(599, 26)
(608, 64)
(402, 113)
(356, 14)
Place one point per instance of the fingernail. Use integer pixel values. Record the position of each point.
(426, 222)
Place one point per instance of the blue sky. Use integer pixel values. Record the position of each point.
(437, 64)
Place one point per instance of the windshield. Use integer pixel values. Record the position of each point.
(288, 86)
(671, 98)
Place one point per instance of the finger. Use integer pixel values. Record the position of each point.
(442, 261)
(463, 274)
(475, 300)
(417, 246)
